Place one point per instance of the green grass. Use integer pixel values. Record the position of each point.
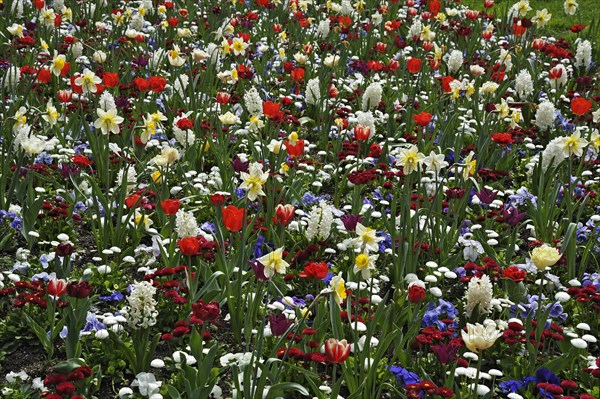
(588, 14)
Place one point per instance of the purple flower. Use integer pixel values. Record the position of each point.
(279, 324)
(239, 165)
(259, 271)
(512, 216)
(350, 221)
(445, 353)
(486, 196)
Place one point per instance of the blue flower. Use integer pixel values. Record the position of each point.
(208, 227)
(114, 297)
(545, 375)
(404, 376)
(92, 323)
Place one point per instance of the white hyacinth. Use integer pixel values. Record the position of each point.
(107, 101)
(12, 77)
(323, 29)
(479, 294)
(372, 96)
(553, 154)
(313, 91)
(319, 221)
(141, 311)
(583, 56)
(253, 102)
(186, 224)
(455, 60)
(544, 116)
(524, 84)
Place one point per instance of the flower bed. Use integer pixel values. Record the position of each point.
(286, 199)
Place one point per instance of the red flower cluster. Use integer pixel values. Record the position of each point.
(203, 312)
(416, 390)
(587, 294)
(64, 384)
(515, 274)
(317, 270)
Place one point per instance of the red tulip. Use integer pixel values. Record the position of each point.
(422, 119)
(233, 218)
(217, 199)
(446, 80)
(362, 132)
(44, 75)
(272, 110)
(283, 214)
(581, 106)
(170, 206)
(157, 83)
(223, 97)
(416, 293)
(414, 65)
(57, 287)
(132, 200)
(110, 79)
(141, 84)
(189, 245)
(295, 150)
(297, 74)
(434, 7)
(64, 96)
(314, 270)
(79, 289)
(538, 44)
(337, 351)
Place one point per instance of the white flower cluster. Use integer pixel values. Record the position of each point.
(455, 60)
(544, 116)
(524, 84)
(313, 91)
(583, 56)
(11, 78)
(479, 294)
(372, 96)
(107, 101)
(186, 224)
(319, 221)
(253, 102)
(323, 29)
(141, 312)
(130, 178)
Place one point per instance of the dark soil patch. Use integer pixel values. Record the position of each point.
(29, 358)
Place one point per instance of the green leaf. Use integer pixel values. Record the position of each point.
(40, 333)
(173, 392)
(68, 365)
(286, 387)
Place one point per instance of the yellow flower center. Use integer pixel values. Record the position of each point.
(362, 261)
(238, 46)
(59, 63)
(341, 290)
